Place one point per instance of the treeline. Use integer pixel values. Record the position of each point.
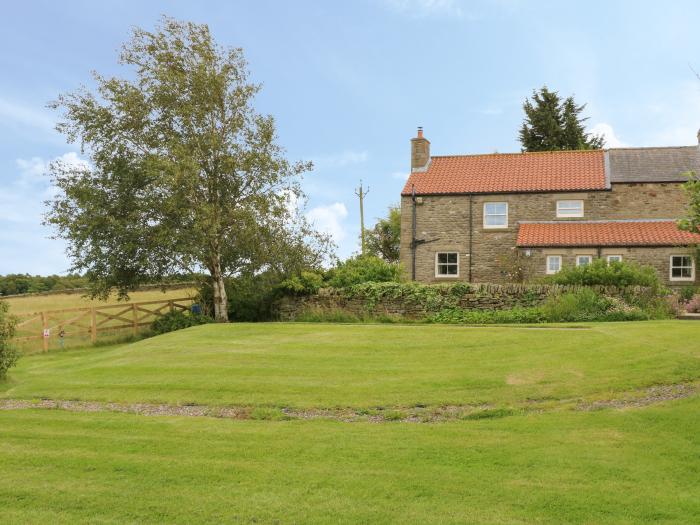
(20, 283)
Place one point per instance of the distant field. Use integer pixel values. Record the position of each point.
(37, 303)
(554, 425)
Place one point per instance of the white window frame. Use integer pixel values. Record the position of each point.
(495, 226)
(578, 259)
(548, 270)
(564, 212)
(445, 275)
(616, 255)
(692, 268)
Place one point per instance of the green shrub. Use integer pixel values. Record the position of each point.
(307, 283)
(602, 273)
(688, 292)
(8, 353)
(529, 315)
(363, 269)
(587, 305)
(580, 306)
(178, 320)
(327, 316)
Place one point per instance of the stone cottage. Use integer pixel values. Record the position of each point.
(484, 218)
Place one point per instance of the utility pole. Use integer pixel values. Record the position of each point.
(362, 193)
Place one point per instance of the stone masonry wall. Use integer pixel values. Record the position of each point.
(444, 220)
(479, 297)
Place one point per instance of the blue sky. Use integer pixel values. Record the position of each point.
(348, 83)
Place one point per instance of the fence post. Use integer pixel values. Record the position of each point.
(44, 326)
(93, 325)
(135, 321)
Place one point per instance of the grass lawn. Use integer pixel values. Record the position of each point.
(553, 464)
(364, 366)
(60, 301)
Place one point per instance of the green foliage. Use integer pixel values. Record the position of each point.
(178, 320)
(184, 173)
(691, 221)
(306, 283)
(602, 273)
(431, 297)
(687, 292)
(551, 124)
(327, 316)
(14, 284)
(363, 269)
(384, 239)
(579, 306)
(525, 315)
(8, 353)
(587, 305)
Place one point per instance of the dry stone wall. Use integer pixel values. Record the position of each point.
(414, 306)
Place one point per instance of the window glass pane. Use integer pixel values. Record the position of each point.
(447, 263)
(496, 208)
(553, 263)
(496, 220)
(583, 260)
(614, 258)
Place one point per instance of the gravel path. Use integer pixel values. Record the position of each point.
(428, 414)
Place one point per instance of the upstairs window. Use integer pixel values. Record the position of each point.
(614, 258)
(682, 268)
(446, 264)
(569, 209)
(495, 215)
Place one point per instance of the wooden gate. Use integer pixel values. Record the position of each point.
(56, 327)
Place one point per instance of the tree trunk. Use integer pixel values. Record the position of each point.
(220, 299)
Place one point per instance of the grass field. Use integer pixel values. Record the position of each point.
(59, 301)
(543, 460)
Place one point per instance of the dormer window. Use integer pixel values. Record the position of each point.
(567, 209)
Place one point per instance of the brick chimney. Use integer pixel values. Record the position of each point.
(420, 152)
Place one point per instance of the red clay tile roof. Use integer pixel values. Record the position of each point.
(601, 233)
(511, 173)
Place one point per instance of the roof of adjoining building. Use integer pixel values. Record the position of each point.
(552, 171)
(653, 164)
(604, 233)
(511, 173)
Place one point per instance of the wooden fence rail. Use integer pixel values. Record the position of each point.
(83, 322)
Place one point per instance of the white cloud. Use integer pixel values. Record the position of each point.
(401, 175)
(340, 160)
(26, 116)
(23, 238)
(329, 219)
(611, 140)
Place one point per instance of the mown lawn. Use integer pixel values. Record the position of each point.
(613, 467)
(548, 463)
(364, 366)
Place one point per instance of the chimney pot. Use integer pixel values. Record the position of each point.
(420, 151)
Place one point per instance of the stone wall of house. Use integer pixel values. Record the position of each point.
(444, 222)
(479, 297)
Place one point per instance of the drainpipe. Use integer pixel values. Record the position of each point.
(471, 236)
(413, 234)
